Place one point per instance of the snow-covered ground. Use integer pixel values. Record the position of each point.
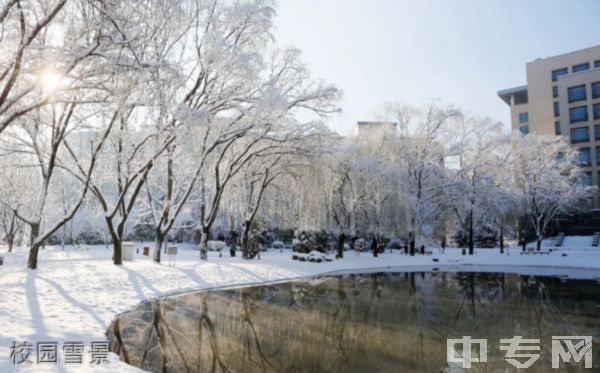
(75, 294)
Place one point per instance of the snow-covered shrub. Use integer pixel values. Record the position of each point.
(318, 257)
(313, 256)
(308, 241)
(483, 236)
(214, 245)
(361, 245)
(396, 244)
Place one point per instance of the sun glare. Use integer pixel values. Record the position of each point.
(51, 81)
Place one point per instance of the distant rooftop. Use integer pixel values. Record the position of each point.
(565, 54)
(377, 127)
(375, 123)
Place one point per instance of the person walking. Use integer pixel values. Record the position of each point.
(232, 242)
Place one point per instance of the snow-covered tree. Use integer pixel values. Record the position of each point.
(10, 227)
(476, 190)
(31, 32)
(422, 151)
(135, 106)
(363, 186)
(238, 91)
(41, 140)
(289, 153)
(549, 179)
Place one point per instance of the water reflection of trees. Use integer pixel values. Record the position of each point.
(252, 340)
(207, 326)
(376, 322)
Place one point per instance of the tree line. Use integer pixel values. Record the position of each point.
(173, 114)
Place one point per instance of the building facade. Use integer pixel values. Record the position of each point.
(562, 97)
(368, 128)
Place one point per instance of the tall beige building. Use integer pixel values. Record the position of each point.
(562, 97)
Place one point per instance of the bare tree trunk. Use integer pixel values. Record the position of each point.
(501, 239)
(204, 244)
(374, 246)
(471, 240)
(160, 232)
(116, 241)
(411, 244)
(11, 231)
(158, 244)
(33, 256)
(539, 243)
(117, 238)
(34, 246)
(245, 240)
(340, 246)
(10, 239)
(522, 233)
(117, 253)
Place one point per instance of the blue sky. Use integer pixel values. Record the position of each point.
(460, 51)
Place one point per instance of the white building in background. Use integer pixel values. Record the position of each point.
(368, 128)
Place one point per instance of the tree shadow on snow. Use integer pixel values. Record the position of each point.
(137, 280)
(74, 301)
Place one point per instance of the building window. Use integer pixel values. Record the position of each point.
(597, 131)
(557, 130)
(597, 63)
(596, 109)
(585, 157)
(577, 93)
(586, 178)
(578, 114)
(559, 72)
(554, 91)
(556, 109)
(581, 67)
(580, 135)
(598, 155)
(524, 130)
(596, 90)
(523, 117)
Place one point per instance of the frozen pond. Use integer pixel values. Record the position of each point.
(376, 322)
